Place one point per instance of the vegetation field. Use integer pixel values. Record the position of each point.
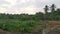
(21, 26)
(30, 23)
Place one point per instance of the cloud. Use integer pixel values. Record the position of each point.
(24, 6)
(3, 2)
(29, 9)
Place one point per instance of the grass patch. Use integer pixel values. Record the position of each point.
(17, 25)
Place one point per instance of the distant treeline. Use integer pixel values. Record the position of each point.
(53, 15)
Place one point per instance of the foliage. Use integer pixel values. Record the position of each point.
(16, 25)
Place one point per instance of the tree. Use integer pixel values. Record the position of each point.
(46, 11)
(52, 9)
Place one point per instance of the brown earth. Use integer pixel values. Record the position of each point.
(54, 24)
(51, 24)
(4, 32)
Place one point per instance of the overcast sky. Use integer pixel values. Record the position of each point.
(25, 6)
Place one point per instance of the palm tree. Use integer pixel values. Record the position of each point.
(46, 11)
(46, 14)
(52, 9)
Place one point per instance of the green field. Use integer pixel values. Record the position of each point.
(21, 26)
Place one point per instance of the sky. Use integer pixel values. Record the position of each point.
(25, 6)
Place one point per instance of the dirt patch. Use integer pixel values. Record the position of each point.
(4, 32)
